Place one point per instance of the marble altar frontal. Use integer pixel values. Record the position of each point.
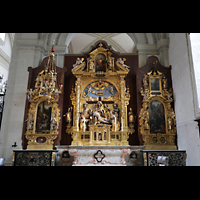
(99, 156)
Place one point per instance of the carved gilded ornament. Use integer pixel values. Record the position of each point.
(157, 119)
(100, 84)
(43, 114)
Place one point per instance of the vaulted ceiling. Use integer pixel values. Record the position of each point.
(122, 42)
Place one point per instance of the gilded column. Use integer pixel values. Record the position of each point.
(123, 111)
(77, 113)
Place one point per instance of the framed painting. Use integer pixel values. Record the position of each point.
(155, 84)
(157, 117)
(100, 63)
(43, 119)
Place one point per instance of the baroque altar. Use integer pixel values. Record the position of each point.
(99, 109)
(99, 99)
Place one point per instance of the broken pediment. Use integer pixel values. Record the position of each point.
(100, 60)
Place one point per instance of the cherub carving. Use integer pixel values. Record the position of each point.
(78, 62)
(121, 62)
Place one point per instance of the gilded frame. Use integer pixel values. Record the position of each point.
(31, 134)
(158, 140)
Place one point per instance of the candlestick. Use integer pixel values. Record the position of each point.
(122, 123)
(115, 123)
(84, 124)
(77, 122)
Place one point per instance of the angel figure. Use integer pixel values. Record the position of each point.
(78, 62)
(53, 123)
(121, 62)
(30, 94)
(30, 119)
(111, 89)
(89, 90)
(145, 81)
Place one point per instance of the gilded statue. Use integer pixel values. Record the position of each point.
(30, 94)
(53, 123)
(99, 113)
(121, 61)
(114, 113)
(91, 63)
(68, 118)
(131, 119)
(78, 62)
(145, 82)
(164, 82)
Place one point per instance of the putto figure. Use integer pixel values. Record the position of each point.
(78, 62)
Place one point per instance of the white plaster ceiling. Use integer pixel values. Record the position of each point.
(120, 42)
(76, 43)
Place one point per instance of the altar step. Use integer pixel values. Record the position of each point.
(99, 156)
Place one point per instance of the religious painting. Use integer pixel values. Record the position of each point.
(43, 119)
(100, 63)
(155, 84)
(157, 117)
(100, 89)
(100, 137)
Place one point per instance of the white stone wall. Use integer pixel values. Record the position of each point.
(28, 50)
(13, 115)
(187, 129)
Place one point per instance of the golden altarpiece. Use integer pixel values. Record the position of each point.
(99, 98)
(43, 119)
(157, 119)
(102, 103)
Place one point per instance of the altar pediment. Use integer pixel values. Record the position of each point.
(100, 62)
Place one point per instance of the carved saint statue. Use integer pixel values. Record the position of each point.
(169, 119)
(99, 113)
(131, 119)
(68, 117)
(53, 123)
(91, 64)
(146, 123)
(145, 82)
(30, 94)
(114, 113)
(164, 82)
(30, 119)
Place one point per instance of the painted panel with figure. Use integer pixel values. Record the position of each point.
(100, 63)
(157, 117)
(155, 84)
(43, 117)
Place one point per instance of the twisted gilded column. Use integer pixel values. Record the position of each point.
(77, 112)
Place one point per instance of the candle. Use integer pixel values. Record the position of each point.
(115, 123)
(77, 122)
(84, 123)
(122, 123)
